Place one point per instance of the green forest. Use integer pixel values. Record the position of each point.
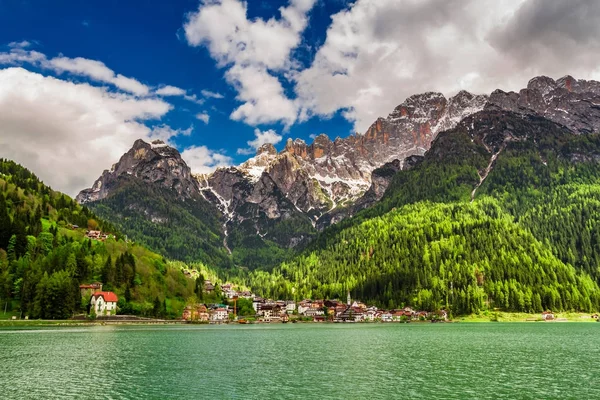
(44, 259)
(529, 241)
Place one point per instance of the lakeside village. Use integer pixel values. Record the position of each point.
(103, 304)
(267, 310)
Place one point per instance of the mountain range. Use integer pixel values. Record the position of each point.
(258, 213)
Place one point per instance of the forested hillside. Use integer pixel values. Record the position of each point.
(186, 230)
(502, 212)
(44, 259)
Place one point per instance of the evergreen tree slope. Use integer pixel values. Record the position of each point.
(183, 229)
(501, 212)
(44, 259)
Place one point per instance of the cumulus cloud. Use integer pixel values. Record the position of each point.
(66, 132)
(203, 160)
(204, 117)
(553, 33)
(92, 69)
(211, 95)
(169, 90)
(167, 134)
(98, 71)
(254, 51)
(376, 53)
(18, 56)
(263, 97)
(69, 132)
(260, 138)
(20, 45)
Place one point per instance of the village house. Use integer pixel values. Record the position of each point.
(208, 287)
(548, 315)
(371, 315)
(313, 312)
(104, 303)
(303, 306)
(351, 314)
(331, 303)
(257, 303)
(246, 294)
(229, 291)
(199, 312)
(220, 315)
(340, 308)
(88, 289)
(290, 307)
(386, 317)
(97, 235)
(270, 312)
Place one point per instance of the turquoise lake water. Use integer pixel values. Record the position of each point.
(303, 361)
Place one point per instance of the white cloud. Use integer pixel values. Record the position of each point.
(68, 133)
(18, 56)
(204, 117)
(194, 99)
(98, 71)
(378, 52)
(263, 97)
(254, 50)
(211, 95)
(261, 138)
(202, 160)
(170, 91)
(167, 134)
(20, 45)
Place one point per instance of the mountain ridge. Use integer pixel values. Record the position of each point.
(282, 199)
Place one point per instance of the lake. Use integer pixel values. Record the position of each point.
(303, 361)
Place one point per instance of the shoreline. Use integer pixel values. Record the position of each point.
(503, 317)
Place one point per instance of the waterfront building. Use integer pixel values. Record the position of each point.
(104, 303)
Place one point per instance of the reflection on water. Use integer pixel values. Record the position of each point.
(537, 361)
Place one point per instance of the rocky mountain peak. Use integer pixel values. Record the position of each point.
(266, 148)
(155, 162)
(543, 84)
(572, 103)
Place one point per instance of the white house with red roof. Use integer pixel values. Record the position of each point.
(104, 303)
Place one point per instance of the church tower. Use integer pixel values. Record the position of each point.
(349, 299)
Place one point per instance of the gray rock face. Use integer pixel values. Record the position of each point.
(325, 175)
(567, 101)
(154, 163)
(314, 185)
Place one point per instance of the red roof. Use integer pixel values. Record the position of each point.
(108, 296)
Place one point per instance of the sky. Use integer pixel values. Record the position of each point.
(80, 81)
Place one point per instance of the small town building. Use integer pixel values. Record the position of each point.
(290, 307)
(270, 312)
(548, 315)
(351, 314)
(313, 312)
(386, 317)
(257, 303)
(208, 287)
(104, 303)
(220, 315)
(88, 288)
(198, 312)
(303, 306)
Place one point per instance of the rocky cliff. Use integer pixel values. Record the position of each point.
(284, 197)
(154, 163)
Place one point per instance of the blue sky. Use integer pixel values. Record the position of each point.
(144, 40)
(81, 80)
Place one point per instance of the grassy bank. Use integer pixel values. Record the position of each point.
(500, 316)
